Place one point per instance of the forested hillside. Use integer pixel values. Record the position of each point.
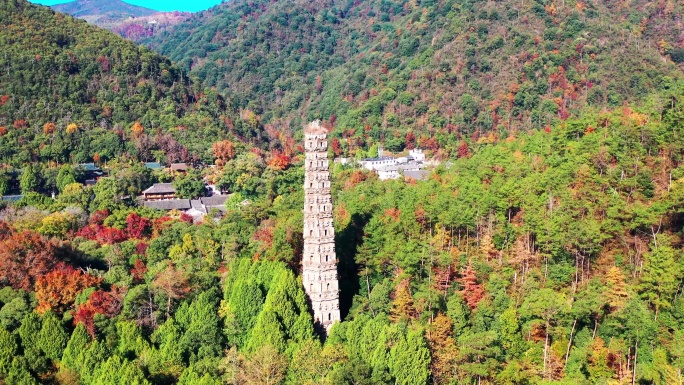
(130, 21)
(435, 70)
(71, 92)
(546, 249)
(551, 257)
(98, 12)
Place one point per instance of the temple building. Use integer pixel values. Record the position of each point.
(319, 260)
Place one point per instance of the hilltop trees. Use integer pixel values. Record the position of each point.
(384, 72)
(73, 93)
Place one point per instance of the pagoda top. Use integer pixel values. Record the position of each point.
(315, 128)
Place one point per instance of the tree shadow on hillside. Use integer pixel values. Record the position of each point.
(347, 242)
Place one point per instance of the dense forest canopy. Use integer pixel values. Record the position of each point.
(544, 249)
(435, 70)
(70, 92)
(553, 257)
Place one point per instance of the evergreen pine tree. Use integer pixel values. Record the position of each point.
(8, 349)
(52, 338)
(77, 343)
(410, 360)
(29, 332)
(659, 279)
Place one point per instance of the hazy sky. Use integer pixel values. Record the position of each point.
(158, 5)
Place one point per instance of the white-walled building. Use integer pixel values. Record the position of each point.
(388, 167)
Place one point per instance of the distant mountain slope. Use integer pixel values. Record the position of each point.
(97, 11)
(72, 92)
(142, 27)
(129, 21)
(388, 70)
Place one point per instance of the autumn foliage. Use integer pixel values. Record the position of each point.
(223, 151)
(107, 303)
(402, 304)
(463, 150)
(24, 257)
(137, 226)
(57, 290)
(102, 234)
(279, 160)
(138, 271)
(49, 128)
(336, 147)
(71, 128)
(137, 129)
(20, 123)
(472, 291)
(443, 348)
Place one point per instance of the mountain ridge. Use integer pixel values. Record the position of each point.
(379, 70)
(94, 11)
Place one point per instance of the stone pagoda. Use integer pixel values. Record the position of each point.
(319, 260)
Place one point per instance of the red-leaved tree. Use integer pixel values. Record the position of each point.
(24, 257)
(107, 303)
(137, 226)
(472, 291)
(336, 147)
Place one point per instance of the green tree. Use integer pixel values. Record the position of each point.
(169, 356)
(8, 349)
(4, 182)
(77, 343)
(52, 338)
(313, 363)
(190, 186)
(285, 319)
(65, 177)
(192, 376)
(511, 338)
(131, 342)
(15, 308)
(108, 195)
(202, 335)
(30, 179)
(19, 373)
(410, 359)
(659, 279)
(243, 307)
(29, 333)
(116, 371)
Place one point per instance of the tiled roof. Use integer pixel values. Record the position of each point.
(378, 159)
(160, 188)
(171, 204)
(406, 167)
(179, 166)
(214, 201)
(417, 175)
(197, 205)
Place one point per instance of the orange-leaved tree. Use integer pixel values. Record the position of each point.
(57, 290)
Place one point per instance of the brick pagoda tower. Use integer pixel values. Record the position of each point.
(319, 259)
